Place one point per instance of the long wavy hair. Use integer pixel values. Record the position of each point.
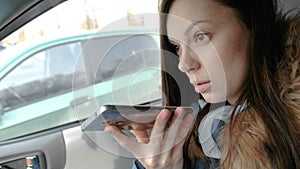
(265, 50)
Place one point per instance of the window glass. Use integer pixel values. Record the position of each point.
(44, 74)
(115, 64)
(78, 65)
(123, 55)
(23, 84)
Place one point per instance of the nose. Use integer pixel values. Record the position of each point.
(187, 60)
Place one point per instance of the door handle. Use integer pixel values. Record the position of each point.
(29, 162)
(32, 162)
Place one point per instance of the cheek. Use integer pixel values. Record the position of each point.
(236, 68)
(214, 62)
(226, 67)
(215, 68)
(232, 50)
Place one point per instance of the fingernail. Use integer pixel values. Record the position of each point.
(107, 130)
(164, 115)
(179, 112)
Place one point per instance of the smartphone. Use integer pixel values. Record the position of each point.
(126, 117)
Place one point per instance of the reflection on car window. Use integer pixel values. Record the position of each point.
(120, 55)
(44, 74)
(73, 79)
(78, 65)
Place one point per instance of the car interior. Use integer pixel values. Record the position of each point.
(51, 86)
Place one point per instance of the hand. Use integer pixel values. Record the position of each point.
(164, 148)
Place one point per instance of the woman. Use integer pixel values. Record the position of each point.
(241, 57)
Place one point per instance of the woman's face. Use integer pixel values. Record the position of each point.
(211, 44)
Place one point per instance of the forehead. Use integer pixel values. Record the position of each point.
(184, 13)
(189, 9)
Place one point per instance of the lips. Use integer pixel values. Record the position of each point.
(201, 87)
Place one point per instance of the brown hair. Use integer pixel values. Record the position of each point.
(266, 49)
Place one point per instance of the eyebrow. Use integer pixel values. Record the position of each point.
(194, 23)
(188, 29)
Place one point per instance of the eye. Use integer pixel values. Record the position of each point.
(202, 38)
(177, 48)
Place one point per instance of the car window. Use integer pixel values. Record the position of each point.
(44, 74)
(65, 78)
(118, 55)
(115, 65)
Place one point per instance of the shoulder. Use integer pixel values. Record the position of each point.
(247, 125)
(288, 74)
(247, 139)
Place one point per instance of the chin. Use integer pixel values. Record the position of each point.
(213, 98)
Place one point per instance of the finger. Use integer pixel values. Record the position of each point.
(160, 122)
(177, 152)
(142, 136)
(158, 129)
(174, 156)
(171, 133)
(174, 116)
(176, 136)
(164, 160)
(157, 133)
(185, 128)
(124, 140)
